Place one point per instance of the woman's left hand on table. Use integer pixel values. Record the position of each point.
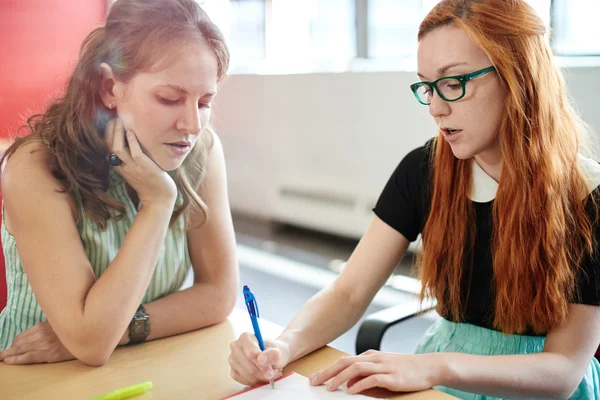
(395, 372)
(38, 344)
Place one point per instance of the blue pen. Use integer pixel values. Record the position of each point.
(252, 306)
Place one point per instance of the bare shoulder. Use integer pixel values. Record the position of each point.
(212, 141)
(216, 148)
(28, 164)
(213, 190)
(26, 177)
(215, 164)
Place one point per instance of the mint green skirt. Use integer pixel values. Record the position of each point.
(446, 336)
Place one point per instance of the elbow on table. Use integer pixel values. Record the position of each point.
(227, 297)
(564, 388)
(94, 357)
(568, 390)
(95, 360)
(572, 376)
(94, 353)
(225, 308)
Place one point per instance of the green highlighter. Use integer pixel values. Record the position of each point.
(126, 392)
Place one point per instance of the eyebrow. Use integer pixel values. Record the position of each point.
(442, 70)
(183, 91)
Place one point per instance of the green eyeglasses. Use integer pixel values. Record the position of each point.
(450, 88)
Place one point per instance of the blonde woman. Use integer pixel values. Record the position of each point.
(118, 192)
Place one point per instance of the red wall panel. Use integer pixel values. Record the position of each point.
(39, 43)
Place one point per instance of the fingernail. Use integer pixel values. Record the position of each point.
(262, 359)
(330, 387)
(313, 378)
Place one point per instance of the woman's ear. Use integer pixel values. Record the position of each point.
(107, 84)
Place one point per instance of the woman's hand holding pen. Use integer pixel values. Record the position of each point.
(151, 183)
(251, 366)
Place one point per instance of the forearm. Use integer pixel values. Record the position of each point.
(323, 318)
(112, 300)
(539, 375)
(201, 305)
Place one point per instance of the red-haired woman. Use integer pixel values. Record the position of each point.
(506, 207)
(118, 192)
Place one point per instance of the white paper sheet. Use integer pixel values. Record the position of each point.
(295, 387)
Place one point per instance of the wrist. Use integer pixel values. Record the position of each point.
(158, 205)
(285, 343)
(284, 351)
(444, 373)
(157, 212)
(139, 328)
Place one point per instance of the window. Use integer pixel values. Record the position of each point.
(243, 25)
(393, 25)
(576, 28)
(247, 30)
(303, 31)
(289, 36)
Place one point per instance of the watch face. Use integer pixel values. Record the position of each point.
(139, 325)
(139, 328)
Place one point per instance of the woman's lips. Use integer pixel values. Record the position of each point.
(451, 135)
(178, 149)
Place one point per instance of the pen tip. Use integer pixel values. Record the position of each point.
(272, 384)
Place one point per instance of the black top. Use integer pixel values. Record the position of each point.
(404, 206)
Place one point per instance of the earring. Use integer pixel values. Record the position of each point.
(110, 106)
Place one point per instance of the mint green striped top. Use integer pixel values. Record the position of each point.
(22, 310)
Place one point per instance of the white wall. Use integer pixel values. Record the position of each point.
(316, 149)
(584, 88)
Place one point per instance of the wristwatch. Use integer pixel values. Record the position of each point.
(139, 328)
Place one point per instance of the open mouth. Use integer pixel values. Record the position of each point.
(451, 132)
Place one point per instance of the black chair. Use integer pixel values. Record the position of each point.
(372, 329)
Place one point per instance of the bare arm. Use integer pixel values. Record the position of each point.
(554, 373)
(329, 313)
(89, 316)
(335, 309)
(213, 253)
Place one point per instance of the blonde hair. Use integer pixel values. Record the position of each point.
(133, 39)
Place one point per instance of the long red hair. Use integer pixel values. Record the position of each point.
(541, 228)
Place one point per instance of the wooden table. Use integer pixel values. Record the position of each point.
(192, 365)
